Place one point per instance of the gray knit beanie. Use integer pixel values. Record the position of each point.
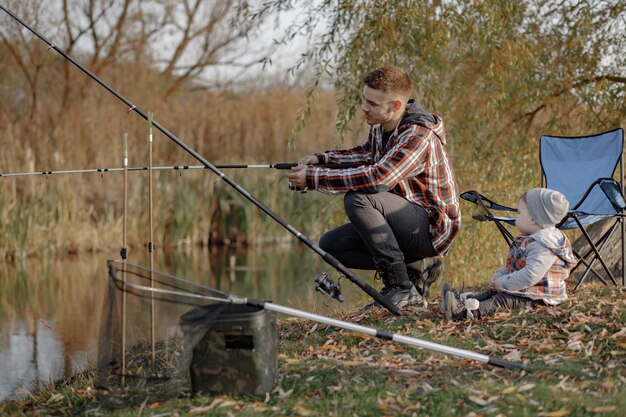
(547, 207)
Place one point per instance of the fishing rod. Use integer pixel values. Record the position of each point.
(124, 254)
(231, 299)
(151, 246)
(328, 258)
(282, 165)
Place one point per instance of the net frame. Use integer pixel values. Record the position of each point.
(131, 369)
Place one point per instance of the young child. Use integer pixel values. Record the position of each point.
(539, 261)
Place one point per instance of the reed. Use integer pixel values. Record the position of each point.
(70, 214)
(82, 212)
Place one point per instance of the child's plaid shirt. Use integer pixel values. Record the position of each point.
(551, 287)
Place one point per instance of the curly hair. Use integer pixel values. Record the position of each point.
(389, 79)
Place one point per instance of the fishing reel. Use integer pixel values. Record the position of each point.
(326, 286)
(294, 187)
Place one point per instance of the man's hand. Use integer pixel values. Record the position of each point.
(308, 160)
(297, 176)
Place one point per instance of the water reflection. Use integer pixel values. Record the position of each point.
(51, 309)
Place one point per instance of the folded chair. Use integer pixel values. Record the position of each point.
(583, 169)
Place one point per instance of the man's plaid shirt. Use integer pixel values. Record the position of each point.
(413, 164)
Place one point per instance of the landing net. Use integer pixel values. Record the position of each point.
(150, 325)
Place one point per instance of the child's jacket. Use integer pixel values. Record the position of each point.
(537, 266)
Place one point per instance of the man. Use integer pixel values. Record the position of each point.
(401, 199)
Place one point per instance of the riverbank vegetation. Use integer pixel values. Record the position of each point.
(497, 73)
(575, 366)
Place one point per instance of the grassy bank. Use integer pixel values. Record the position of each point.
(575, 356)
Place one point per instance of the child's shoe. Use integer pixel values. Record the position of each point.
(455, 310)
(444, 290)
(457, 307)
(447, 297)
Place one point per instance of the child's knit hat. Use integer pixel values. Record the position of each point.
(547, 207)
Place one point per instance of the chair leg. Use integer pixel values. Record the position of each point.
(584, 275)
(595, 249)
(623, 227)
(589, 268)
(621, 220)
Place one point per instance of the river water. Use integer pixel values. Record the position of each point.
(51, 308)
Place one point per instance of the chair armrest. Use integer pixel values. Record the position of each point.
(477, 198)
(611, 189)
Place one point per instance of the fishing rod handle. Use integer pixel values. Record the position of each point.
(332, 165)
(285, 165)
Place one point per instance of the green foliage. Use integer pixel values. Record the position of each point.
(492, 67)
(499, 73)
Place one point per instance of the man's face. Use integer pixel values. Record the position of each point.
(377, 106)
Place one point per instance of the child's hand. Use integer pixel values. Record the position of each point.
(493, 284)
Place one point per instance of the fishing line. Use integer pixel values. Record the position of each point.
(328, 258)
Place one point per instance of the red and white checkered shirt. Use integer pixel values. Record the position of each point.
(413, 164)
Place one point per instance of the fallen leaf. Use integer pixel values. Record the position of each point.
(514, 356)
(282, 393)
(509, 390)
(602, 409)
(200, 410)
(227, 403)
(559, 413)
(55, 398)
(620, 334)
(526, 387)
(478, 400)
(302, 410)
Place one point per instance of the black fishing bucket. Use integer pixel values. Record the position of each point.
(237, 353)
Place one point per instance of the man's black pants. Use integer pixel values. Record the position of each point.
(384, 228)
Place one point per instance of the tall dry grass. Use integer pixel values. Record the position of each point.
(65, 214)
(75, 213)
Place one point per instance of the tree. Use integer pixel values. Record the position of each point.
(498, 68)
(500, 73)
(180, 39)
(27, 56)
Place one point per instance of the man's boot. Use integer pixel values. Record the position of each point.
(424, 273)
(398, 289)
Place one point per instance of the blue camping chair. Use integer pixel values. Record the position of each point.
(582, 168)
